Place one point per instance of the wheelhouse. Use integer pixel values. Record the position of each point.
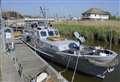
(45, 33)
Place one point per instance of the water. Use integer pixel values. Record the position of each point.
(80, 77)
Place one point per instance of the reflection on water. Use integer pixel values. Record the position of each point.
(80, 77)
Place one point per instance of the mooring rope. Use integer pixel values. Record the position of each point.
(66, 65)
(75, 68)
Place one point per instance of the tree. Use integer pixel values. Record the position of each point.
(114, 17)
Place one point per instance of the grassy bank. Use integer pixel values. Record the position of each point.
(92, 30)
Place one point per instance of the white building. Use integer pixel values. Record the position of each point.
(22, 22)
(26, 19)
(95, 14)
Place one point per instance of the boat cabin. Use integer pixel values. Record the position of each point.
(45, 33)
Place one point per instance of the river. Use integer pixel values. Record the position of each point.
(80, 77)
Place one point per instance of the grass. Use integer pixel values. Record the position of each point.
(92, 30)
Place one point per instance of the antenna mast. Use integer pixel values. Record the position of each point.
(44, 14)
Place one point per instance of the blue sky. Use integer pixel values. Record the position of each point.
(60, 7)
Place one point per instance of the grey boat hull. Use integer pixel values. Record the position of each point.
(83, 66)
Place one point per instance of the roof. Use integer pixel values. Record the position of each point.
(96, 11)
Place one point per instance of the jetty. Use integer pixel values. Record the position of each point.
(24, 65)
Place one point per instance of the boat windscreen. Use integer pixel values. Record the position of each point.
(43, 33)
(51, 33)
(8, 30)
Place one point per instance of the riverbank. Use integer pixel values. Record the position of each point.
(92, 30)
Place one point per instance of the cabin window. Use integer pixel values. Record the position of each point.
(50, 33)
(41, 23)
(8, 30)
(43, 33)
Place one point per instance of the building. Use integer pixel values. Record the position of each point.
(11, 15)
(27, 19)
(95, 14)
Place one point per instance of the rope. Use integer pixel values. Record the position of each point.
(66, 65)
(75, 69)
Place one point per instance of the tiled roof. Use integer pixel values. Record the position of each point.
(96, 11)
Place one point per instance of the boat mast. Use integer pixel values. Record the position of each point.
(43, 11)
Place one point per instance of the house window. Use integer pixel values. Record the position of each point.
(88, 14)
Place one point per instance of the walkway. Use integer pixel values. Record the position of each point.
(8, 70)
